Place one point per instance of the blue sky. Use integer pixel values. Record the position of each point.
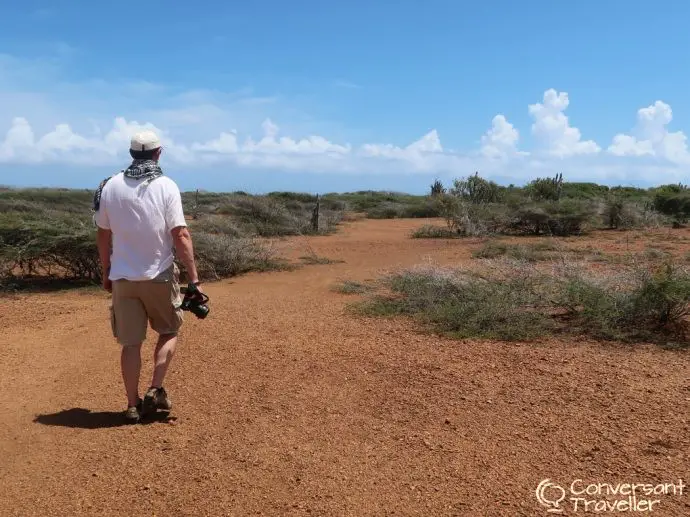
(325, 96)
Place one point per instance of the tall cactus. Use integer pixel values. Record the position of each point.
(476, 190)
(547, 188)
(437, 188)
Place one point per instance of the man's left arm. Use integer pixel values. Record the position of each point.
(104, 239)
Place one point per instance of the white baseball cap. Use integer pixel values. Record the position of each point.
(145, 141)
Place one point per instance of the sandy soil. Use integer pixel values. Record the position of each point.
(286, 405)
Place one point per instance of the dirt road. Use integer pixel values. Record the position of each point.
(286, 405)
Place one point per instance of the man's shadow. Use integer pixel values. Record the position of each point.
(87, 419)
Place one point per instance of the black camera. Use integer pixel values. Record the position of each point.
(195, 301)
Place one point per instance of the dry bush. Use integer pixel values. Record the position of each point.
(350, 287)
(532, 252)
(220, 256)
(648, 301)
(278, 215)
(353, 216)
(462, 304)
(314, 259)
(265, 217)
(218, 225)
(42, 249)
(48, 234)
(429, 231)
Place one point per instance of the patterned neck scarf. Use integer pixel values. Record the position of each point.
(139, 169)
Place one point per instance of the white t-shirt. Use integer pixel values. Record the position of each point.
(141, 215)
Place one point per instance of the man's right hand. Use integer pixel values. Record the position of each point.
(185, 251)
(194, 287)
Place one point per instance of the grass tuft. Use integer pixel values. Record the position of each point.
(514, 303)
(350, 287)
(434, 232)
(532, 252)
(313, 259)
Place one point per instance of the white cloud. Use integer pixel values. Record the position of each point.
(19, 142)
(501, 140)
(553, 130)
(210, 128)
(226, 143)
(429, 143)
(651, 137)
(270, 143)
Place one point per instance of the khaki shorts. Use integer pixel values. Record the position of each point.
(135, 305)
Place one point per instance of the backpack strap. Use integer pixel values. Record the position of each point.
(97, 194)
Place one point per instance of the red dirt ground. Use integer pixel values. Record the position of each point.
(284, 404)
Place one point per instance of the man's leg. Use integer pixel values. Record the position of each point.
(162, 356)
(162, 300)
(128, 319)
(130, 362)
(156, 397)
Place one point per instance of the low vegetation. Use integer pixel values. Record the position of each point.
(350, 287)
(221, 256)
(474, 206)
(646, 302)
(533, 252)
(314, 259)
(430, 231)
(386, 205)
(48, 236)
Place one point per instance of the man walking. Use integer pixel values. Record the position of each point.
(141, 225)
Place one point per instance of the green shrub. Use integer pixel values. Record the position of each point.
(461, 305)
(476, 190)
(433, 232)
(426, 209)
(298, 197)
(63, 200)
(674, 203)
(621, 214)
(386, 210)
(546, 189)
(562, 218)
(29, 208)
(437, 188)
(641, 304)
(649, 304)
(368, 200)
(590, 191)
